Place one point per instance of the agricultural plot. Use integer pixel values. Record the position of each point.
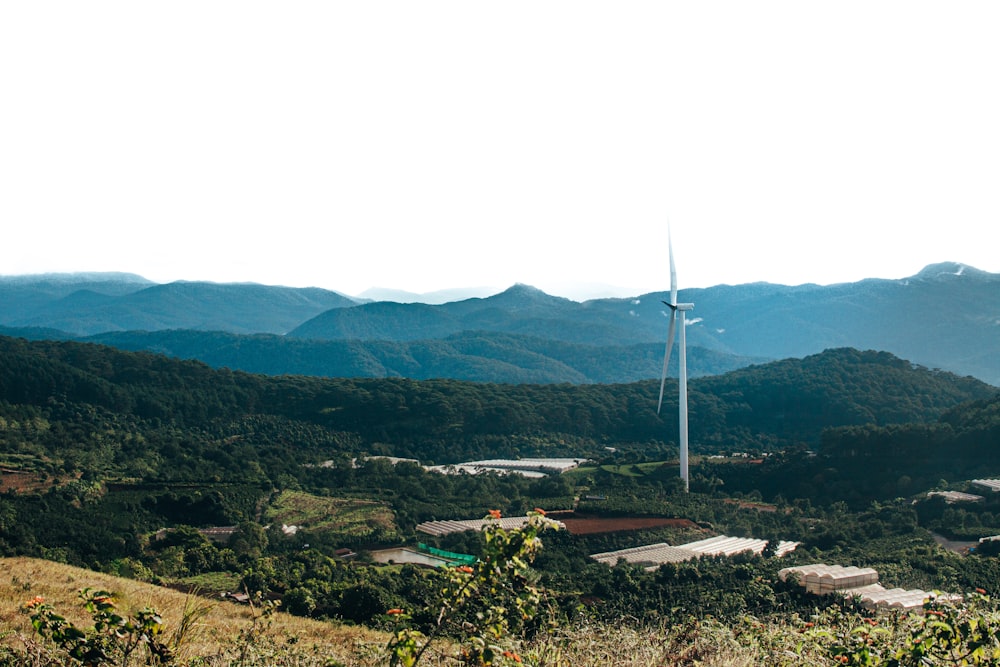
(637, 470)
(584, 525)
(27, 473)
(320, 514)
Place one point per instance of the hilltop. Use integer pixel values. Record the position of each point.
(521, 334)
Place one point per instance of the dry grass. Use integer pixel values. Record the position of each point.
(213, 635)
(289, 640)
(705, 645)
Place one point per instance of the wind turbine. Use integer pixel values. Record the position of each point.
(677, 311)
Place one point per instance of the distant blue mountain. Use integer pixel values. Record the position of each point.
(94, 304)
(947, 316)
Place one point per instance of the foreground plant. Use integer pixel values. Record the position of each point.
(482, 603)
(113, 639)
(944, 633)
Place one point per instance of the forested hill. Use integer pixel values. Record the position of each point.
(868, 462)
(521, 334)
(85, 304)
(87, 407)
(476, 356)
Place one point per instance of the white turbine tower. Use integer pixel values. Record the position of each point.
(677, 311)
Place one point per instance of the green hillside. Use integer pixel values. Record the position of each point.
(122, 462)
(475, 356)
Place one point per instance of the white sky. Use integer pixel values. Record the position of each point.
(424, 145)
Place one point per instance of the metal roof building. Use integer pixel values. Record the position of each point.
(654, 555)
(821, 579)
(988, 484)
(861, 582)
(952, 497)
(526, 467)
(446, 527)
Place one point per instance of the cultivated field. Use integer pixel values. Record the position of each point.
(345, 516)
(584, 525)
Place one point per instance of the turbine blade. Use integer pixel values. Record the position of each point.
(666, 357)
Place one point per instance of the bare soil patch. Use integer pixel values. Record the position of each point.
(21, 481)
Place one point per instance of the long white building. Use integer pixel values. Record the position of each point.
(654, 555)
(860, 582)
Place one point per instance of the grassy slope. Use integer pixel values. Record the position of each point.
(23, 578)
(320, 643)
(211, 643)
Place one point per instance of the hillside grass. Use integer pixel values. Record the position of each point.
(219, 633)
(624, 469)
(291, 640)
(219, 623)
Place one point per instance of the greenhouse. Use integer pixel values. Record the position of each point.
(654, 555)
(987, 484)
(822, 579)
(861, 583)
(445, 527)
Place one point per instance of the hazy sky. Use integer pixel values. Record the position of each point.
(424, 145)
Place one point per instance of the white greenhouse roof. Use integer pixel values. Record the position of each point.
(446, 527)
(477, 469)
(820, 578)
(956, 496)
(875, 596)
(661, 553)
(526, 467)
(730, 546)
(652, 554)
(861, 582)
(991, 484)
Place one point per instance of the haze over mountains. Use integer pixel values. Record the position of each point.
(947, 316)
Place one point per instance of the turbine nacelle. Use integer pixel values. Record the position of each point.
(679, 306)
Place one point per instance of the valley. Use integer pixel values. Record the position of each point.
(170, 472)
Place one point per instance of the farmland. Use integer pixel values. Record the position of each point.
(587, 525)
(349, 517)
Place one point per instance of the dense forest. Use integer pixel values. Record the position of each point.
(100, 449)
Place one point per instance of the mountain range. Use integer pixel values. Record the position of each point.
(947, 316)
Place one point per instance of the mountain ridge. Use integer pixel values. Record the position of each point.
(752, 321)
